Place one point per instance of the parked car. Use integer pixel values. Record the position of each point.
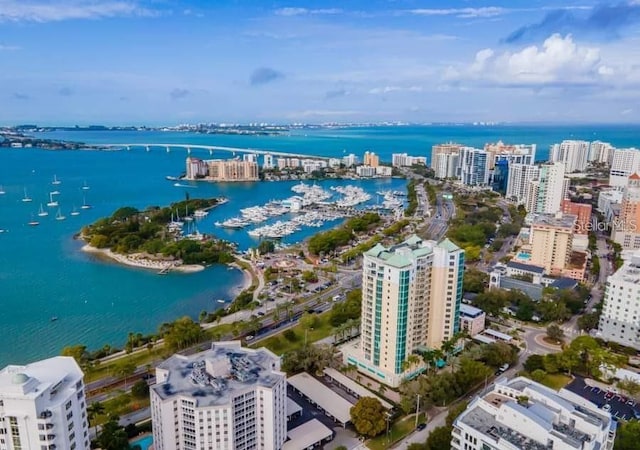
(421, 426)
(606, 407)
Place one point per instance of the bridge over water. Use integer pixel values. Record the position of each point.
(210, 148)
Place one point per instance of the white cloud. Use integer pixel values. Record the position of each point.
(559, 60)
(44, 11)
(8, 48)
(289, 12)
(464, 13)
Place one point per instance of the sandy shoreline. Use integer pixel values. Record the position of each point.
(247, 278)
(138, 260)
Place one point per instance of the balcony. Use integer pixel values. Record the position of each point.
(45, 414)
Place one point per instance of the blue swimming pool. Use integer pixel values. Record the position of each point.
(524, 255)
(144, 442)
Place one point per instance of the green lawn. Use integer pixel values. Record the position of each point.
(397, 431)
(280, 345)
(556, 381)
(109, 369)
(119, 406)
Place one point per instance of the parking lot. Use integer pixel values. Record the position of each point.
(620, 406)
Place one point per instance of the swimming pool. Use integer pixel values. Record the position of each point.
(524, 256)
(144, 442)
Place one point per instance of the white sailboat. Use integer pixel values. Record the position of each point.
(26, 197)
(42, 212)
(55, 180)
(84, 203)
(33, 222)
(85, 186)
(52, 203)
(59, 215)
(2, 191)
(75, 212)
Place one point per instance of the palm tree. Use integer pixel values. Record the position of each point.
(447, 347)
(93, 411)
(429, 358)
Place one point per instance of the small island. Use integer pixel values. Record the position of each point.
(162, 239)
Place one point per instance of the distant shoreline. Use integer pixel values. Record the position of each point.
(140, 261)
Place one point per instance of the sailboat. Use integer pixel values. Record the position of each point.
(42, 212)
(55, 180)
(33, 222)
(26, 197)
(52, 203)
(2, 191)
(59, 215)
(84, 203)
(85, 186)
(75, 212)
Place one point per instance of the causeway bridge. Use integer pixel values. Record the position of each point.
(210, 148)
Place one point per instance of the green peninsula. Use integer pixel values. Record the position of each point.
(162, 238)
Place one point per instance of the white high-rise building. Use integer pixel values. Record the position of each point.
(518, 181)
(225, 398)
(350, 160)
(473, 166)
(445, 165)
(620, 318)
(626, 161)
(411, 296)
(268, 162)
(551, 188)
(43, 406)
(522, 414)
(601, 152)
(574, 154)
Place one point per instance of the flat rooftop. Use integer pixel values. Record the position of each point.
(630, 270)
(335, 405)
(351, 385)
(215, 376)
(307, 435)
(53, 374)
(470, 311)
(566, 221)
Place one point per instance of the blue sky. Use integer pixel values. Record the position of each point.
(169, 61)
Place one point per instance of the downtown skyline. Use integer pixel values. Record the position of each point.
(162, 62)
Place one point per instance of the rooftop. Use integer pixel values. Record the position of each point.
(555, 220)
(470, 311)
(307, 435)
(403, 254)
(630, 270)
(325, 398)
(29, 381)
(525, 267)
(214, 376)
(496, 413)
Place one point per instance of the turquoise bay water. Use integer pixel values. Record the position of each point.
(43, 274)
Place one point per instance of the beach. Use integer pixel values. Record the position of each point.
(143, 261)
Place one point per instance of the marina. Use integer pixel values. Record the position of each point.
(312, 207)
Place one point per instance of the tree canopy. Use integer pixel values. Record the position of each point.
(368, 416)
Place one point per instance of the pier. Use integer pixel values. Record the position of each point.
(209, 148)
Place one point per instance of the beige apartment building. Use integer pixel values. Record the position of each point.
(411, 295)
(552, 241)
(232, 170)
(626, 231)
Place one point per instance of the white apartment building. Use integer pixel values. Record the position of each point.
(608, 201)
(366, 171)
(574, 154)
(551, 189)
(620, 318)
(268, 162)
(473, 167)
(405, 160)
(626, 162)
(601, 152)
(445, 165)
(522, 414)
(515, 154)
(350, 160)
(411, 296)
(43, 406)
(518, 181)
(227, 398)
